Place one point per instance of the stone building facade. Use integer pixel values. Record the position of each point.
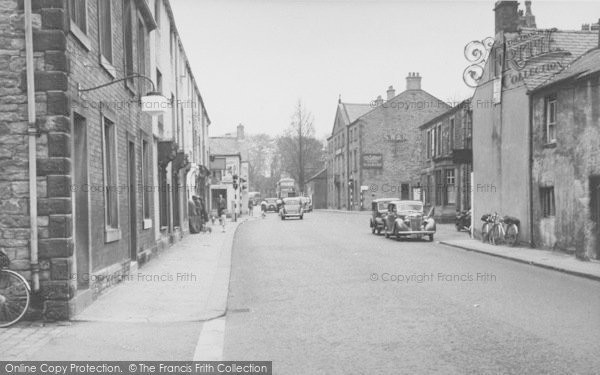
(378, 153)
(97, 152)
(566, 159)
(520, 60)
(448, 162)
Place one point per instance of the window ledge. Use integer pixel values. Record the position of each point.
(112, 235)
(108, 67)
(550, 145)
(147, 223)
(83, 39)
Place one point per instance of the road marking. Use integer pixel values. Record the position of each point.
(211, 340)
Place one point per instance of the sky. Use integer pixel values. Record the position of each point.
(254, 59)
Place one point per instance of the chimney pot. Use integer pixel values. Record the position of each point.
(391, 92)
(240, 131)
(413, 81)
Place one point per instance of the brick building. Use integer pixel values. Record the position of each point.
(379, 146)
(521, 59)
(448, 161)
(97, 154)
(316, 188)
(566, 159)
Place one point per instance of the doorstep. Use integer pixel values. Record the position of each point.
(541, 258)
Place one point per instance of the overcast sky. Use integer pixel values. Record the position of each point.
(254, 59)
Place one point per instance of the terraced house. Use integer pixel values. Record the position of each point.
(92, 186)
(526, 157)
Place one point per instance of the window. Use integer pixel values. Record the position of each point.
(451, 135)
(110, 175)
(438, 141)
(141, 53)
(547, 200)
(428, 144)
(468, 130)
(146, 173)
(128, 39)
(157, 4)
(450, 197)
(78, 14)
(439, 185)
(105, 33)
(550, 119)
(355, 161)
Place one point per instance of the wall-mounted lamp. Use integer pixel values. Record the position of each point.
(153, 103)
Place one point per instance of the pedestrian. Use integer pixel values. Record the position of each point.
(203, 213)
(193, 216)
(199, 218)
(250, 207)
(222, 207)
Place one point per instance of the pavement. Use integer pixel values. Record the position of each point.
(536, 257)
(158, 312)
(325, 296)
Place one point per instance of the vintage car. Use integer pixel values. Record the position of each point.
(271, 204)
(379, 209)
(291, 207)
(406, 219)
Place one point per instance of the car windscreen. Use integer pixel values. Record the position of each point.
(382, 206)
(410, 207)
(271, 200)
(291, 201)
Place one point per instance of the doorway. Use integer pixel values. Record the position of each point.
(80, 179)
(595, 209)
(132, 202)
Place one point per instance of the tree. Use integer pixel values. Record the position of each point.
(261, 151)
(300, 153)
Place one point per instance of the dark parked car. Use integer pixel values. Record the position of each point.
(406, 218)
(291, 207)
(271, 204)
(379, 209)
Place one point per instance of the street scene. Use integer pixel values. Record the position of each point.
(304, 187)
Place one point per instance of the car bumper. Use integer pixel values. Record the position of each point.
(415, 232)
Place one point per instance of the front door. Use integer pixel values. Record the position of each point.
(595, 209)
(132, 203)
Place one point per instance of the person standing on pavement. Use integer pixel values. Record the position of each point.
(250, 207)
(222, 206)
(193, 216)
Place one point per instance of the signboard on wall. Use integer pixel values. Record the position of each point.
(372, 161)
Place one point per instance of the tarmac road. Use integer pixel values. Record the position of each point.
(324, 296)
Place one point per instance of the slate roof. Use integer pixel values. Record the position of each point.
(571, 45)
(586, 64)
(354, 111)
(228, 146)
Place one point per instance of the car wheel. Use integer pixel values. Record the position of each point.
(431, 238)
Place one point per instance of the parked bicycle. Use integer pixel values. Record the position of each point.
(498, 230)
(15, 294)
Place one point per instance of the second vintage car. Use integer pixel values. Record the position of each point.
(379, 209)
(291, 207)
(406, 219)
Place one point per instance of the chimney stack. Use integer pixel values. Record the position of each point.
(240, 132)
(391, 92)
(413, 81)
(378, 101)
(507, 16)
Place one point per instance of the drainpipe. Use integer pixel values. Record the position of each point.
(531, 243)
(32, 135)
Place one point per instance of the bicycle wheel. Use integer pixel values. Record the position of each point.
(485, 232)
(512, 233)
(14, 297)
